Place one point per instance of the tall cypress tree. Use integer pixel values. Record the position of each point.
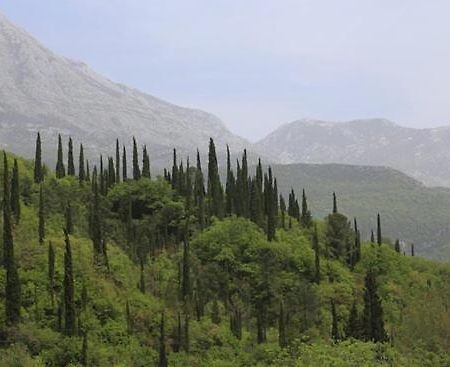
(229, 190)
(373, 323)
(316, 248)
(335, 210)
(282, 339)
(372, 237)
(38, 172)
(215, 190)
(12, 287)
(353, 329)
(175, 170)
(96, 225)
(379, 239)
(60, 169)
(397, 246)
(162, 361)
(306, 218)
(188, 187)
(334, 322)
(145, 163)
(413, 252)
(15, 192)
(81, 171)
(199, 193)
(41, 216)
(136, 169)
(283, 211)
(124, 164)
(70, 162)
(88, 172)
(245, 186)
(51, 272)
(256, 204)
(117, 161)
(186, 280)
(69, 298)
(270, 209)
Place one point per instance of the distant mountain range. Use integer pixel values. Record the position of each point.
(40, 91)
(421, 153)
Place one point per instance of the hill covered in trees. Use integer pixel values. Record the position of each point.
(411, 211)
(106, 265)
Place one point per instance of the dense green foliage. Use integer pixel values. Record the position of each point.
(163, 272)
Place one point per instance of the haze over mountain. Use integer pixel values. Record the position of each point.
(421, 153)
(40, 91)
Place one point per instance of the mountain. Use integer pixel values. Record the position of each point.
(421, 153)
(40, 91)
(409, 210)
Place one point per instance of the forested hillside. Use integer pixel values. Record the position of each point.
(104, 264)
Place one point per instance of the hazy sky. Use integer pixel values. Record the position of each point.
(257, 64)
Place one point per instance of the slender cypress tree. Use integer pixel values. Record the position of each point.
(15, 192)
(316, 248)
(413, 252)
(117, 161)
(306, 218)
(41, 214)
(70, 162)
(379, 239)
(283, 211)
(12, 287)
(256, 204)
(373, 323)
(334, 322)
(69, 300)
(111, 172)
(175, 170)
(162, 362)
(229, 190)
(397, 245)
(352, 329)
(88, 172)
(84, 350)
(199, 193)
(334, 203)
(188, 187)
(245, 186)
(372, 237)
(60, 169)
(51, 272)
(136, 169)
(270, 209)
(96, 227)
(124, 164)
(282, 339)
(81, 170)
(215, 190)
(186, 280)
(38, 173)
(145, 163)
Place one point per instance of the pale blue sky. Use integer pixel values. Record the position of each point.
(257, 64)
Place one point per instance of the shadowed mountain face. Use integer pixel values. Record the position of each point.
(421, 153)
(40, 91)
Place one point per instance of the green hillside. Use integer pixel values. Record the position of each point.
(231, 293)
(410, 211)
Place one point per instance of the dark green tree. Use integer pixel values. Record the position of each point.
(69, 218)
(379, 239)
(145, 163)
(174, 181)
(12, 286)
(117, 161)
(413, 252)
(60, 169)
(162, 361)
(335, 210)
(124, 164)
(282, 338)
(215, 190)
(230, 186)
(38, 172)
(69, 300)
(186, 280)
(283, 211)
(15, 192)
(70, 162)
(353, 327)
(397, 246)
(199, 193)
(41, 216)
(305, 218)
(81, 170)
(51, 272)
(136, 169)
(373, 322)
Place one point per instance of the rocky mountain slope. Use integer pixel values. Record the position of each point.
(421, 153)
(40, 91)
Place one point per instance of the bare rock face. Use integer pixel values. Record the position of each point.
(40, 91)
(421, 153)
